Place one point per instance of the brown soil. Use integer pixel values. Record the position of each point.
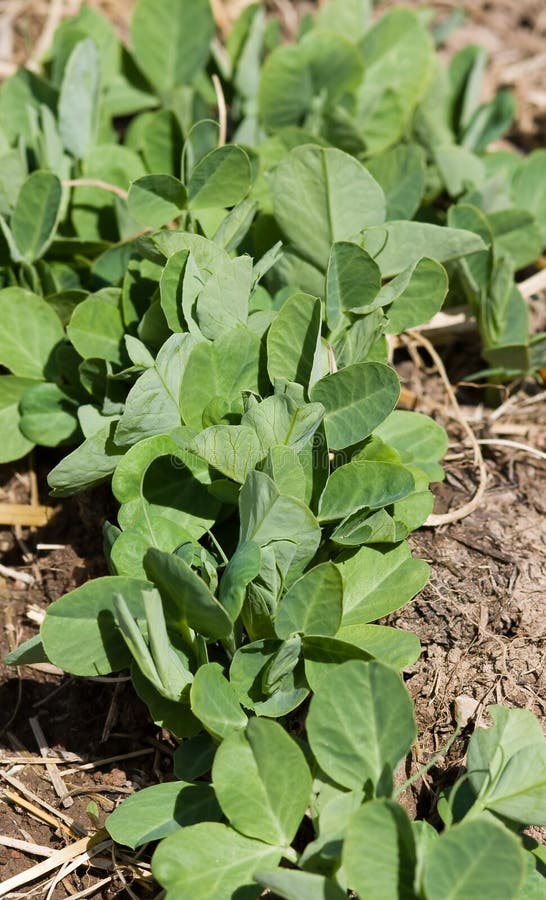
(480, 619)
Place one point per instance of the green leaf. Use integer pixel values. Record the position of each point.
(418, 300)
(392, 646)
(222, 178)
(48, 415)
(79, 99)
(399, 55)
(36, 214)
(193, 758)
(152, 405)
(376, 582)
(417, 438)
(269, 800)
(214, 702)
(473, 860)
(360, 723)
(460, 169)
(322, 195)
(250, 665)
(282, 421)
(294, 885)
(242, 568)
(379, 852)
(14, 444)
(350, 18)
(298, 359)
(396, 245)
(222, 369)
(162, 142)
(323, 655)
(93, 210)
(30, 651)
(363, 483)
(169, 502)
(155, 200)
(171, 41)
(223, 301)
(162, 809)
(79, 631)
(356, 400)
(211, 861)
(353, 280)
(286, 88)
(234, 450)
(313, 605)
(528, 186)
(401, 173)
(517, 234)
(175, 715)
(31, 331)
(507, 766)
(189, 594)
(96, 330)
(282, 523)
(92, 462)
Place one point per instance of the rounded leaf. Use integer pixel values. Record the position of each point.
(474, 860)
(262, 782)
(360, 723)
(313, 605)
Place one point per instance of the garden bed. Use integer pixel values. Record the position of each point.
(480, 618)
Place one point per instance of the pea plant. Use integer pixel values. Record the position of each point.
(201, 311)
(331, 140)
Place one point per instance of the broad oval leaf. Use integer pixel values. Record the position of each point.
(234, 450)
(210, 861)
(222, 178)
(379, 852)
(162, 809)
(14, 443)
(269, 800)
(392, 646)
(224, 368)
(363, 483)
(376, 582)
(396, 245)
(31, 331)
(48, 415)
(155, 200)
(322, 195)
(313, 605)
(473, 860)
(356, 400)
(299, 358)
(96, 330)
(360, 723)
(79, 99)
(36, 213)
(214, 702)
(507, 765)
(79, 631)
(353, 280)
(171, 40)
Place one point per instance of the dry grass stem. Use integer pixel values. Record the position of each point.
(468, 508)
(16, 575)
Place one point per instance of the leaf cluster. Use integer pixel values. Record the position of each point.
(208, 324)
(333, 142)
